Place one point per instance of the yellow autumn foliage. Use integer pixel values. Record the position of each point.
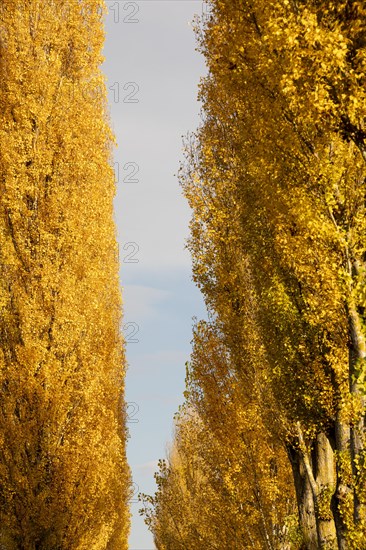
(275, 176)
(226, 482)
(64, 481)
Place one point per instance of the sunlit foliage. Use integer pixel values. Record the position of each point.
(226, 481)
(64, 482)
(275, 177)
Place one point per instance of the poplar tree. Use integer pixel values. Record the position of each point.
(275, 177)
(64, 481)
(225, 483)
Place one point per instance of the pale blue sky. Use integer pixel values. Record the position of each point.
(153, 73)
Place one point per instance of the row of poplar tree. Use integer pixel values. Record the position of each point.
(269, 448)
(64, 480)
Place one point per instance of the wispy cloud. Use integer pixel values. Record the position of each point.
(147, 467)
(161, 357)
(141, 302)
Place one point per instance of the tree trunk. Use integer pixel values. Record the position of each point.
(357, 355)
(342, 437)
(305, 500)
(315, 482)
(325, 477)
